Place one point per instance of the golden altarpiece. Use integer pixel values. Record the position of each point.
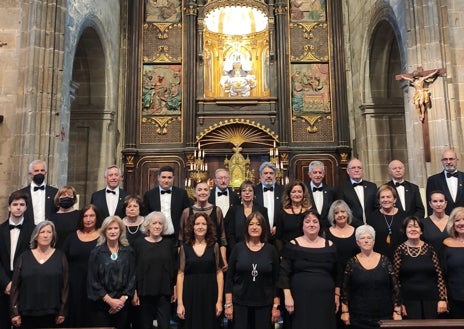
(229, 83)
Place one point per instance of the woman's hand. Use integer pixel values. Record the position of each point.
(289, 304)
(229, 312)
(174, 295)
(16, 320)
(59, 319)
(275, 314)
(337, 302)
(442, 307)
(397, 316)
(135, 299)
(345, 317)
(181, 311)
(218, 308)
(115, 304)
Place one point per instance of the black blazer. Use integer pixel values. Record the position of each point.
(234, 199)
(278, 192)
(437, 182)
(98, 199)
(179, 201)
(347, 193)
(50, 207)
(5, 248)
(412, 199)
(329, 196)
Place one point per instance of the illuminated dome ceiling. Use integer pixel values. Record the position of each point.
(236, 20)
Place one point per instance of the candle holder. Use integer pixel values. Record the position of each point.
(197, 169)
(280, 160)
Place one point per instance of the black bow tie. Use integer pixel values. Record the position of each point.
(454, 174)
(111, 191)
(315, 189)
(15, 226)
(222, 193)
(166, 191)
(357, 184)
(268, 189)
(399, 184)
(41, 187)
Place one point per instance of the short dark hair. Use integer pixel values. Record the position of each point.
(412, 219)
(262, 221)
(165, 168)
(98, 217)
(16, 196)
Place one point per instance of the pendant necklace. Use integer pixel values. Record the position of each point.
(254, 271)
(388, 239)
(114, 255)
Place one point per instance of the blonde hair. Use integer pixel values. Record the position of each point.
(122, 228)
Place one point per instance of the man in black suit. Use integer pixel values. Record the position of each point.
(268, 193)
(320, 194)
(223, 196)
(409, 197)
(359, 194)
(110, 200)
(168, 199)
(40, 196)
(450, 181)
(15, 234)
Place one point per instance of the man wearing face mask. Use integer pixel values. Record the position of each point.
(41, 203)
(66, 217)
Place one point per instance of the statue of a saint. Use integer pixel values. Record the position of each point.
(238, 82)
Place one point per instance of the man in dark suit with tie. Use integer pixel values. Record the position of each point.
(409, 197)
(320, 194)
(168, 199)
(110, 200)
(359, 194)
(450, 181)
(15, 234)
(268, 193)
(41, 196)
(223, 196)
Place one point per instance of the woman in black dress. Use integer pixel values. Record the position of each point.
(295, 202)
(155, 271)
(370, 290)
(133, 221)
(308, 275)
(417, 267)
(252, 301)
(66, 218)
(39, 289)
(435, 225)
(111, 275)
(200, 279)
(77, 248)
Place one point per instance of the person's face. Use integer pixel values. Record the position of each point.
(113, 178)
(396, 170)
(459, 226)
(113, 232)
(296, 194)
(449, 161)
(254, 228)
(133, 209)
(267, 176)
(165, 179)
(311, 225)
(17, 208)
(222, 180)
(365, 242)
(355, 170)
(202, 192)
(413, 230)
(316, 175)
(340, 216)
(38, 168)
(247, 193)
(200, 227)
(155, 228)
(386, 199)
(89, 219)
(437, 203)
(45, 236)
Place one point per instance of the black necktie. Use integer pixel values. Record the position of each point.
(454, 174)
(268, 189)
(15, 226)
(315, 189)
(399, 184)
(357, 184)
(41, 187)
(166, 191)
(222, 193)
(111, 191)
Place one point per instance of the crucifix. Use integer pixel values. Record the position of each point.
(420, 80)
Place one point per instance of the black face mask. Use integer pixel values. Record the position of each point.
(38, 179)
(66, 202)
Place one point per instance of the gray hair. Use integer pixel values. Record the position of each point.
(267, 164)
(36, 231)
(364, 229)
(111, 167)
(34, 162)
(150, 218)
(316, 163)
(221, 170)
(336, 205)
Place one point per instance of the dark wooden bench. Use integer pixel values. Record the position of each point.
(423, 324)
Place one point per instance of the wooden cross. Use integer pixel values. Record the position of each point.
(420, 80)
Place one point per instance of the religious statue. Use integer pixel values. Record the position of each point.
(421, 97)
(238, 82)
